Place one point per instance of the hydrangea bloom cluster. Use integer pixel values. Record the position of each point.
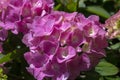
(15, 15)
(64, 44)
(113, 26)
(61, 44)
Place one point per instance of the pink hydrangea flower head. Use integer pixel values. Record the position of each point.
(78, 64)
(3, 4)
(65, 53)
(113, 26)
(69, 42)
(15, 13)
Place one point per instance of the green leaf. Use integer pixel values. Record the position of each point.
(112, 78)
(2, 76)
(57, 7)
(5, 58)
(98, 10)
(106, 69)
(81, 4)
(8, 57)
(1, 55)
(101, 78)
(72, 6)
(115, 46)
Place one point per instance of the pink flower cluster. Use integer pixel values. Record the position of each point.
(64, 44)
(15, 15)
(61, 44)
(113, 26)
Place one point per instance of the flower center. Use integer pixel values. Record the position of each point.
(64, 54)
(85, 47)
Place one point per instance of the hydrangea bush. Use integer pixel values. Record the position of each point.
(61, 44)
